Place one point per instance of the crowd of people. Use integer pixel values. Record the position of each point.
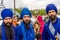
(30, 27)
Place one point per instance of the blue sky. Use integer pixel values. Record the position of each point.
(31, 4)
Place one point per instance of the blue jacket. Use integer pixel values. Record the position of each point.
(21, 33)
(47, 35)
(4, 34)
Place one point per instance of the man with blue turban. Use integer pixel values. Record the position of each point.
(52, 27)
(25, 30)
(7, 30)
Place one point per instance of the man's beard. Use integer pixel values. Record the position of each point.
(8, 30)
(27, 24)
(52, 17)
(8, 24)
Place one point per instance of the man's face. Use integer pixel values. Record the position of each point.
(8, 21)
(26, 19)
(52, 15)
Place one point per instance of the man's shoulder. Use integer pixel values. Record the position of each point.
(46, 23)
(17, 27)
(58, 19)
(20, 26)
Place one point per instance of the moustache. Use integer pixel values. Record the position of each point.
(8, 23)
(52, 17)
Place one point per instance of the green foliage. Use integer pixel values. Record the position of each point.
(59, 11)
(40, 11)
(18, 10)
(33, 12)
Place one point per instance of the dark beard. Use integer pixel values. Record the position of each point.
(8, 30)
(52, 18)
(7, 24)
(27, 25)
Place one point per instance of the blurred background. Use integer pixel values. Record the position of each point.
(35, 6)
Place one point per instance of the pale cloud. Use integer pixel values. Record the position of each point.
(8, 3)
(0, 1)
(31, 4)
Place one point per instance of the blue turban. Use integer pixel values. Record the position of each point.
(51, 7)
(25, 11)
(6, 13)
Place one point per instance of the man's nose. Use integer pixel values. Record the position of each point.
(8, 20)
(51, 13)
(26, 18)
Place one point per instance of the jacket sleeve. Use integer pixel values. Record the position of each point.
(19, 33)
(59, 28)
(16, 34)
(45, 34)
(32, 29)
(58, 25)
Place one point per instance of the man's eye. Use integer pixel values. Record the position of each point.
(28, 16)
(24, 16)
(49, 12)
(53, 11)
(5, 19)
